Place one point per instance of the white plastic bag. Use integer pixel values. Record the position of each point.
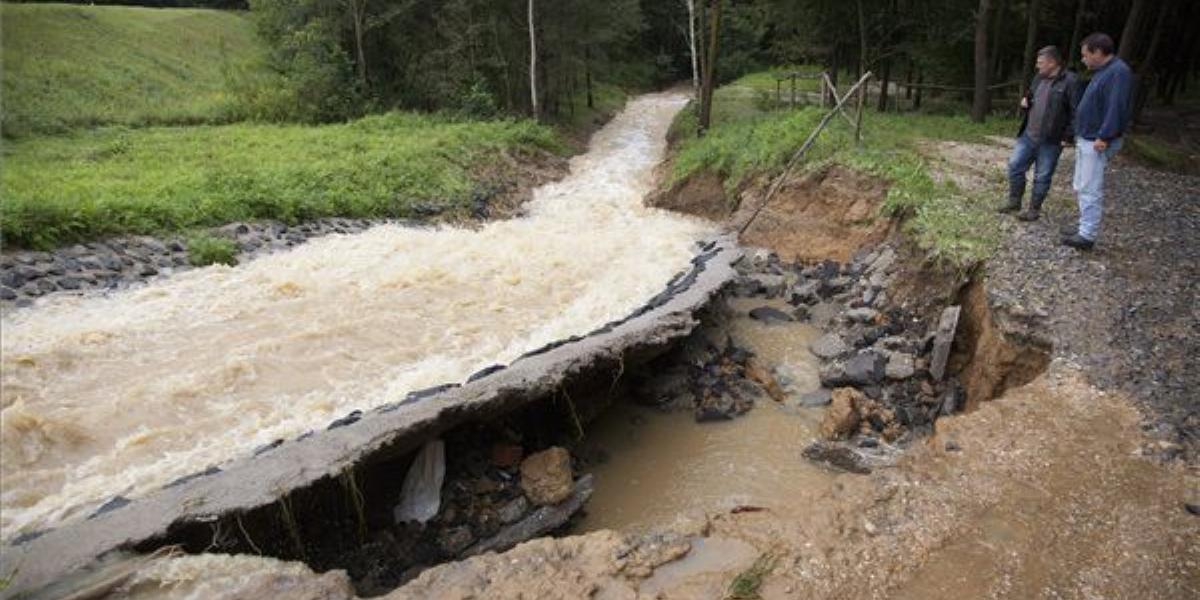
(421, 494)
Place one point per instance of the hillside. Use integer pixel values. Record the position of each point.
(69, 66)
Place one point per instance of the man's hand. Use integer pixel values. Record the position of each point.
(1100, 145)
(1024, 102)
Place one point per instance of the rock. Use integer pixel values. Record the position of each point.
(822, 270)
(513, 510)
(806, 293)
(746, 286)
(46, 286)
(829, 346)
(835, 286)
(69, 283)
(862, 315)
(841, 418)
(11, 278)
(546, 476)
(865, 368)
(761, 376)
(893, 342)
(771, 285)
(820, 397)
(110, 262)
(802, 314)
(455, 539)
(7, 293)
(768, 315)
(883, 262)
(147, 270)
(952, 446)
(899, 366)
(838, 456)
(715, 406)
(943, 339)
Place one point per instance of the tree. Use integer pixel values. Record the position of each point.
(1030, 40)
(533, 94)
(710, 65)
(691, 8)
(1129, 34)
(979, 108)
(1076, 33)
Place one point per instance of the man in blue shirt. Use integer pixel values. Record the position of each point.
(1100, 122)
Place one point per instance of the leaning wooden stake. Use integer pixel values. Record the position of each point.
(812, 137)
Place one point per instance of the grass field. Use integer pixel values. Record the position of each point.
(72, 66)
(92, 184)
(748, 139)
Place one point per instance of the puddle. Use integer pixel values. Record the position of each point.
(708, 555)
(663, 464)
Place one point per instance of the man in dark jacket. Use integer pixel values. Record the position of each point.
(1046, 128)
(1103, 116)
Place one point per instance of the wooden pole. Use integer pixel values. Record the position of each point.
(862, 105)
(791, 164)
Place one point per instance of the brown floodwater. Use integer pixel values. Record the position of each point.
(663, 464)
(118, 395)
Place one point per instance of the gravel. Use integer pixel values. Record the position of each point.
(1128, 311)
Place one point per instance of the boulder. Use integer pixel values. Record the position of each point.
(841, 418)
(864, 369)
(837, 456)
(769, 315)
(805, 293)
(829, 346)
(820, 397)
(546, 476)
(862, 315)
(900, 366)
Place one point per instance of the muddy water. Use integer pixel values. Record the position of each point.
(662, 465)
(119, 395)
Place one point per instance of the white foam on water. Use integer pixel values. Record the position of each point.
(118, 395)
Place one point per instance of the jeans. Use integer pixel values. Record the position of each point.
(1089, 184)
(1044, 156)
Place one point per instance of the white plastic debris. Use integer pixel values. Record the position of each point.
(420, 496)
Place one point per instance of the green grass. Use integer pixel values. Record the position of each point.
(746, 584)
(204, 250)
(747, 141)
(88, 185)
(72, 66)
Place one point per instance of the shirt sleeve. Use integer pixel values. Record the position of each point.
(1116, 106)
(1072, 107)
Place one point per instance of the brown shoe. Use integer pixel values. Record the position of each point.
(1014, 204)
(1029, 215)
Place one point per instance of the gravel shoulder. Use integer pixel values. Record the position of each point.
(1128, 313)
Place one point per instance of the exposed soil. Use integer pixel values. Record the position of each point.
(828, 214)
(702, 195)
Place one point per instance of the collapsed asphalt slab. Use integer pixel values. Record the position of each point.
(34, 561)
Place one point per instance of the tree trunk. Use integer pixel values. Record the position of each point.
(533, 94)
(1147, 73)
(358, 9)
(1076, 34)
(917, 100)
(1030, 41)
(691, 8)
(1129, 35)
(885, 80)
(710, 64)
(862, 41)
(587, 71)
(979, 108)
(997, 31)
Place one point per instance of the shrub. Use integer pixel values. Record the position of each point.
(204, 250)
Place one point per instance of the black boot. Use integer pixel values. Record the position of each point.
(1035, 209)
(1078, 242)
(1014, 204)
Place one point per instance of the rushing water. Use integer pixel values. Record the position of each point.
(118, 395)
